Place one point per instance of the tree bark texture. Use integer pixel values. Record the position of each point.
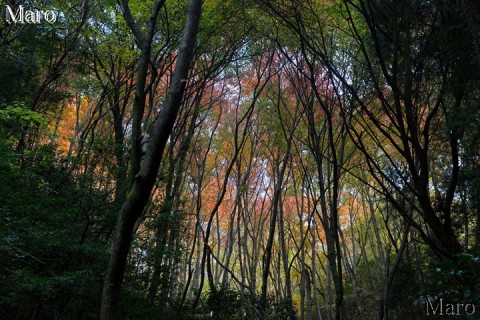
(144, 180)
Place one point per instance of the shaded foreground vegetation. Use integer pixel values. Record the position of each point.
(241, 160)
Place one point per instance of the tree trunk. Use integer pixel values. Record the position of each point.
(139, 193)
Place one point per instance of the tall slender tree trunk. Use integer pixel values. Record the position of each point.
(286, 269)
(144, 180)
(273, 221)
(169, 207)
(390, 273)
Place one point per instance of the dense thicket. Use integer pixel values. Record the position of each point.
(240, 160)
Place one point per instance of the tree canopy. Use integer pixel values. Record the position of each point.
(240, 159)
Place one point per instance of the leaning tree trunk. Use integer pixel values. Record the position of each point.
(144, 180)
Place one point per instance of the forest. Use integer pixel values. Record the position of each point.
(240, 159)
